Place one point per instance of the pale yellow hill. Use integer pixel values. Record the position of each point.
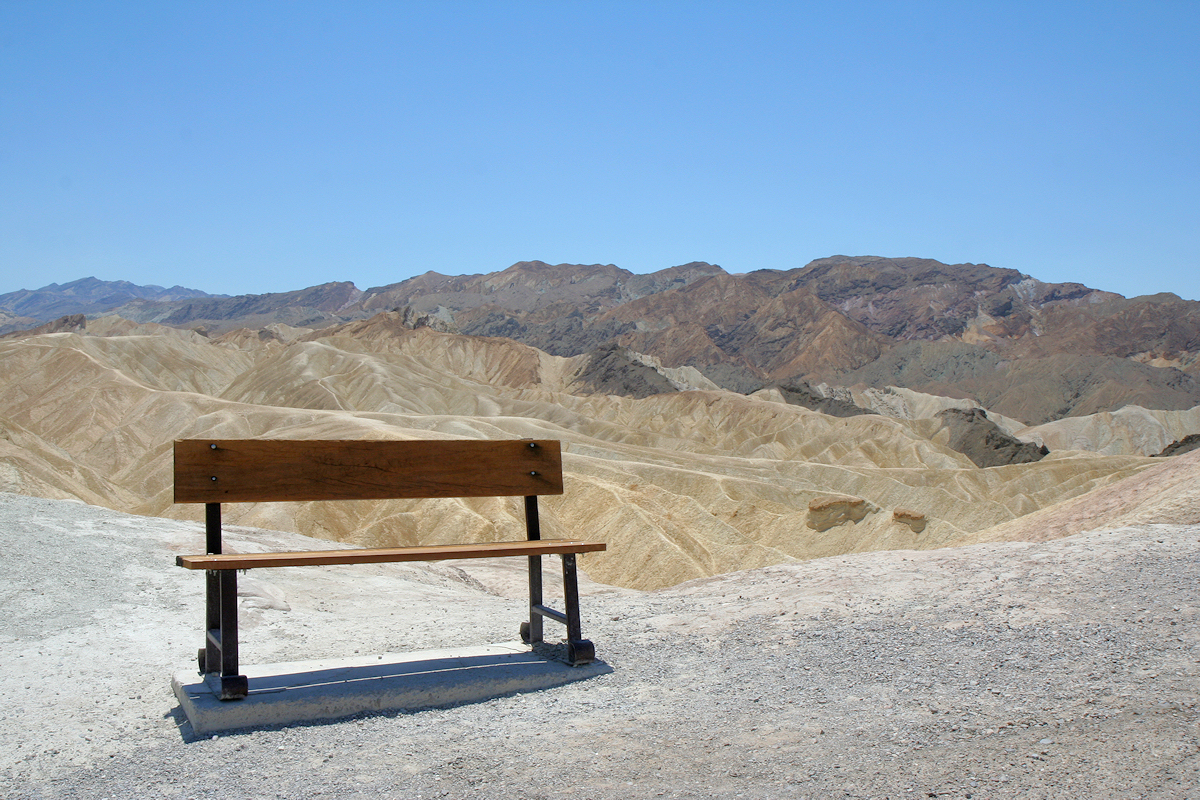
(902, 403)
(1132, 430)
(119, 326)
(1166, 493)
(30, 465)
(681, 485)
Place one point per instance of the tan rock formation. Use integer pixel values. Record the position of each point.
(1167, 493)
(915, 520)
(680, 485)
(827, 512)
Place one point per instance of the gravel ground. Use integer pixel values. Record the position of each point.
(1061, 669)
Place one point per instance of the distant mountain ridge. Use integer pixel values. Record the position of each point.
(1024, 348)
(316, 307)
(86, 296)
(26, 308)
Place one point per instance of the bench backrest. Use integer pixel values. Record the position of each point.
(267, 470)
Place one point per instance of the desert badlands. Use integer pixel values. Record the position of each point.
(792, 604)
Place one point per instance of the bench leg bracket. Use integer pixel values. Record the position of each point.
(580, 651)
(218, 659)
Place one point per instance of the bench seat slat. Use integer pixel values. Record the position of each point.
(540, 547)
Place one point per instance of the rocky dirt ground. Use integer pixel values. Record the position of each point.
(1058, 669)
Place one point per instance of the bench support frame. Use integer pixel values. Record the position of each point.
(219, 656)
(579, 650)
(216, 471)
(218, 659)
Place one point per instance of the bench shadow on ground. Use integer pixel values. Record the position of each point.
(320, 692)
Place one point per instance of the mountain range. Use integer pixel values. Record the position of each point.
(1022, 348)
(710, 422)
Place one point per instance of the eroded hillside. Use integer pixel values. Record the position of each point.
(1026, 349)
(682, 484)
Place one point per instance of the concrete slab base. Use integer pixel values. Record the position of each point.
(311, 691)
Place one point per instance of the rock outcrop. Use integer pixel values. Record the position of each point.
(801, 394)
(1185, 445)
(915, 520)
(613, 369)
(830, 511)
(971, 433)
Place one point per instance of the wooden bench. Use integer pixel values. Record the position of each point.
(256, 470)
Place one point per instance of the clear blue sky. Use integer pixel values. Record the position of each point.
(254, 147)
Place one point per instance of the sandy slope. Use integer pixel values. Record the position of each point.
(1132, 430)
(681, 485)
(1166, 493)
(1061, 669)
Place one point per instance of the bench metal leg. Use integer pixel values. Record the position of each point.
(219, 657)
(531, 631)
(579, 650)
(233, 685)
(210, 658)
